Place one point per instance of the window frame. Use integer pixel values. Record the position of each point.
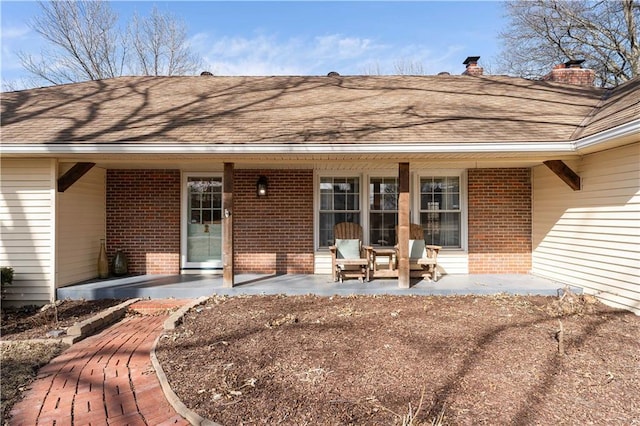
(367, 231)
(414, 198)
(318, 201)
(416, 209)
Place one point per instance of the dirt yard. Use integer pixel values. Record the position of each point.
(387, 360)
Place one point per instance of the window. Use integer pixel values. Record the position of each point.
(383, 210)
(339, 202)
(440, 212)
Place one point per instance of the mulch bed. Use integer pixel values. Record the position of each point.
(32, 322)
(383, 360)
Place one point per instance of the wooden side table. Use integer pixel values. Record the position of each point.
(391, 270)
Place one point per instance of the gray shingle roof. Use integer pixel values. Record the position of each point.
(356, 109)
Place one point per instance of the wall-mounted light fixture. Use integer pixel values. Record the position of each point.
(262, 186)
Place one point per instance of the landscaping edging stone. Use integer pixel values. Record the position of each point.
(85, 328)
(176, 317)
(170, 324)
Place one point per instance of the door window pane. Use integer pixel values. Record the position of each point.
(204, 230)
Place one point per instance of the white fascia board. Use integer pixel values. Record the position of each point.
(624, 130)
(283, 148)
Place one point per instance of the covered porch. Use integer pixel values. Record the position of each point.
(193, 286)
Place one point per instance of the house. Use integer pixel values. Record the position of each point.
(509, 175)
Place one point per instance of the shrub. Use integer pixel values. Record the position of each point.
(6, 278)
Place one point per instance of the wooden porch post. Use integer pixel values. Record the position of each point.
(227, 245)
(403, 227)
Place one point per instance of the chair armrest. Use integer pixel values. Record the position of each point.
(432, 251)
(368, 253)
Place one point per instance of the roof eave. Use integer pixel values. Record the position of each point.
(611, 138)
(607, 139)
(286, 148)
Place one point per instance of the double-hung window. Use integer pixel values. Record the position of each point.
(339, 202)
(383, 210)
(372, 201)
(440, 211)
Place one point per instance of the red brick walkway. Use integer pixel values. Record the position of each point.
(106, 379)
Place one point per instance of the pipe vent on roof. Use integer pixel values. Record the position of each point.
(205, 73)
(333, 74)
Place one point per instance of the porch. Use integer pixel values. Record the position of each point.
(193, 286)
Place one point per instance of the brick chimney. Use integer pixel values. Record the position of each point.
(472, 66)
(571, 72)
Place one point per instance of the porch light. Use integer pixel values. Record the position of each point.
(261, 186)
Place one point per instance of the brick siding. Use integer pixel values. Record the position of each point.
(273, 234)
(143, 219)
(499, 221)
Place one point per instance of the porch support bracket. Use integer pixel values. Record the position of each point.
(73, 175)
(565, 173)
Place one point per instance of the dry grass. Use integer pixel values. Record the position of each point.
(21, 357)
(20, 363)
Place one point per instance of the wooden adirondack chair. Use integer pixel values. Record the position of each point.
(349, 258)
(423, 258)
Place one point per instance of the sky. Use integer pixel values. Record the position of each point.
(303, 37)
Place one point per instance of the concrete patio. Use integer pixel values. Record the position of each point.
(193, 286)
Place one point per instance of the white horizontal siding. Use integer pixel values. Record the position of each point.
(322, 262)
(81, 225)
(453, 262)
(591, 238)
(27, 226)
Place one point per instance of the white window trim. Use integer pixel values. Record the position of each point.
(414, 201)
(316, 202)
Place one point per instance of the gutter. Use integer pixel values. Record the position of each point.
(589, 143)
(283, 148)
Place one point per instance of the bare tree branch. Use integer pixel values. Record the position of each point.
(160, 45)
(544, 33)
(85, 43)
(408, 67)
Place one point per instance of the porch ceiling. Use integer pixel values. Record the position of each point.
(318, 162)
